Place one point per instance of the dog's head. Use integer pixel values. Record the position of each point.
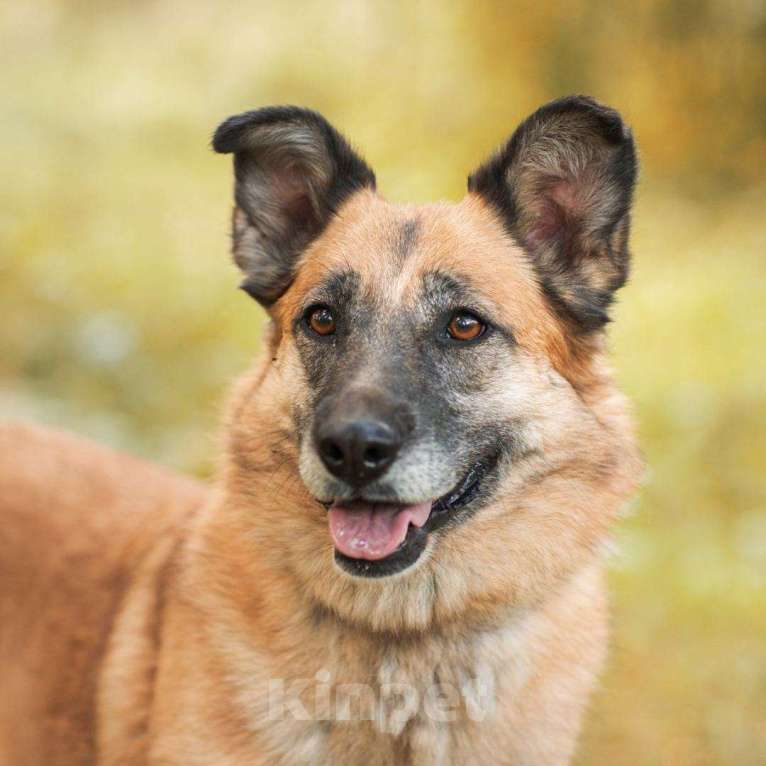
(434, 385)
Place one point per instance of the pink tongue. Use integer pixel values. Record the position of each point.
(367, 531)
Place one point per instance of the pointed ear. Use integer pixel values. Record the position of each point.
(563, 185)
(292, 172)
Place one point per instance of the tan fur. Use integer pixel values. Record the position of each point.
(78, 523)
(135, 633)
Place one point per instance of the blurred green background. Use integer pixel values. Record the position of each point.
(120, 317)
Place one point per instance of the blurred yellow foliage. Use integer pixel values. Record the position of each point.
(120, 318)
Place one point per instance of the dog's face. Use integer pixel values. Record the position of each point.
(434, 370)
(415, 395)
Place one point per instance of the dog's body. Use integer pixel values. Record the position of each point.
(434, 375)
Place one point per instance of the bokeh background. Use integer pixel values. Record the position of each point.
(120, 318)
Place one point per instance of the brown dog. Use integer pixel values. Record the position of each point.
(401, 561)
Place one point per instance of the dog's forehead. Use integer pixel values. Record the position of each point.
(394, 249)
(385, 242)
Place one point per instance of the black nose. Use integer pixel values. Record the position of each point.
(357, 451)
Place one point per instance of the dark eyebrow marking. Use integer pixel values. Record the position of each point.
(338, 287)
(406, 237)
(441, 290)
(342, 284)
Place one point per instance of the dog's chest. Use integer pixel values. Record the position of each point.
(428, 703)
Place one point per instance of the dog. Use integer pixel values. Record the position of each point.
(401, 561)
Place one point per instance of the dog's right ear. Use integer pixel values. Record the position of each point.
(292, 172)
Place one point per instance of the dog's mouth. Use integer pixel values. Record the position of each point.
(379, 539)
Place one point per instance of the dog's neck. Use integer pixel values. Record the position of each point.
(290, 664)
(254, 594)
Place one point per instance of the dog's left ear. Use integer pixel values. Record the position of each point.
(563, 185)
(292, 172)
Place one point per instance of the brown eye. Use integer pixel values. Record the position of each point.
(322, 321)
(465, 326)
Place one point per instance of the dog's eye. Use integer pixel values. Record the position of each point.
(321, 320)
(465, 326)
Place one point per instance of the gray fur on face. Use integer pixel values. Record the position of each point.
(466, 403)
